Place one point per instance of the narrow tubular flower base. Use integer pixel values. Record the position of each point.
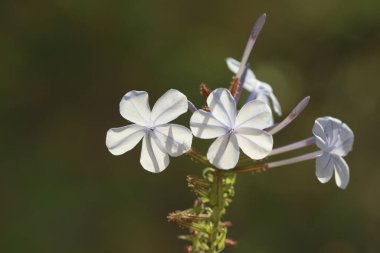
(251, 42)
(297, 159)
(263, 166)
(292, 116)
(293, 146)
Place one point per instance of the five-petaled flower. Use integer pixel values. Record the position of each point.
(258, 89)
(335, 139)
(159, 138)
(233, 129)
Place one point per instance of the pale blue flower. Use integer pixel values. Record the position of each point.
(258, 89)
(160, 139)
(335, 139)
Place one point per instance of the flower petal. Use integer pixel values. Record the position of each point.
(122, 139)
(251, 83)
(320, 136)
(168, 107)
(134, 107)
(222, 106)
(325, 167)
(205, 126)
(175, 138)
(224, 152)
(263, 92)
(333, 136)
(276, 105)
(264, 98)
(330, 128)
(342, 172)
(153, 156)
(345, 142)
(233, 64)
(255, 143)
(252, 96)
(254, 114)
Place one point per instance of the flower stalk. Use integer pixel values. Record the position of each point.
(293, 146)
(293, 160)
(207, 230)
(216, 202)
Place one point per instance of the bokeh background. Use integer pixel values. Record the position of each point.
(65, 64)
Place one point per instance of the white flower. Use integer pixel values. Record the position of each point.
(232, 129)
(258, 89)
(335, 139)
(159, 138)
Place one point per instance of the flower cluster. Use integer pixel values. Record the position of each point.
(249, 128)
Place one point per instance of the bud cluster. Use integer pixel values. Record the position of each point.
(214, 192)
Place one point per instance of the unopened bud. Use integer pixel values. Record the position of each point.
(189, 223)
(227, 223)
(204, 90)
(229, 242)
(198, 186)
(234, 87)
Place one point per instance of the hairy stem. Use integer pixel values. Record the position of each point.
(216, 202)
(204, 220)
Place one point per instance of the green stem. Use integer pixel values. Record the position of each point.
(214, 193)
(217, 205)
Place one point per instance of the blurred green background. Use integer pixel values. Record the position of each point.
(65, 64)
